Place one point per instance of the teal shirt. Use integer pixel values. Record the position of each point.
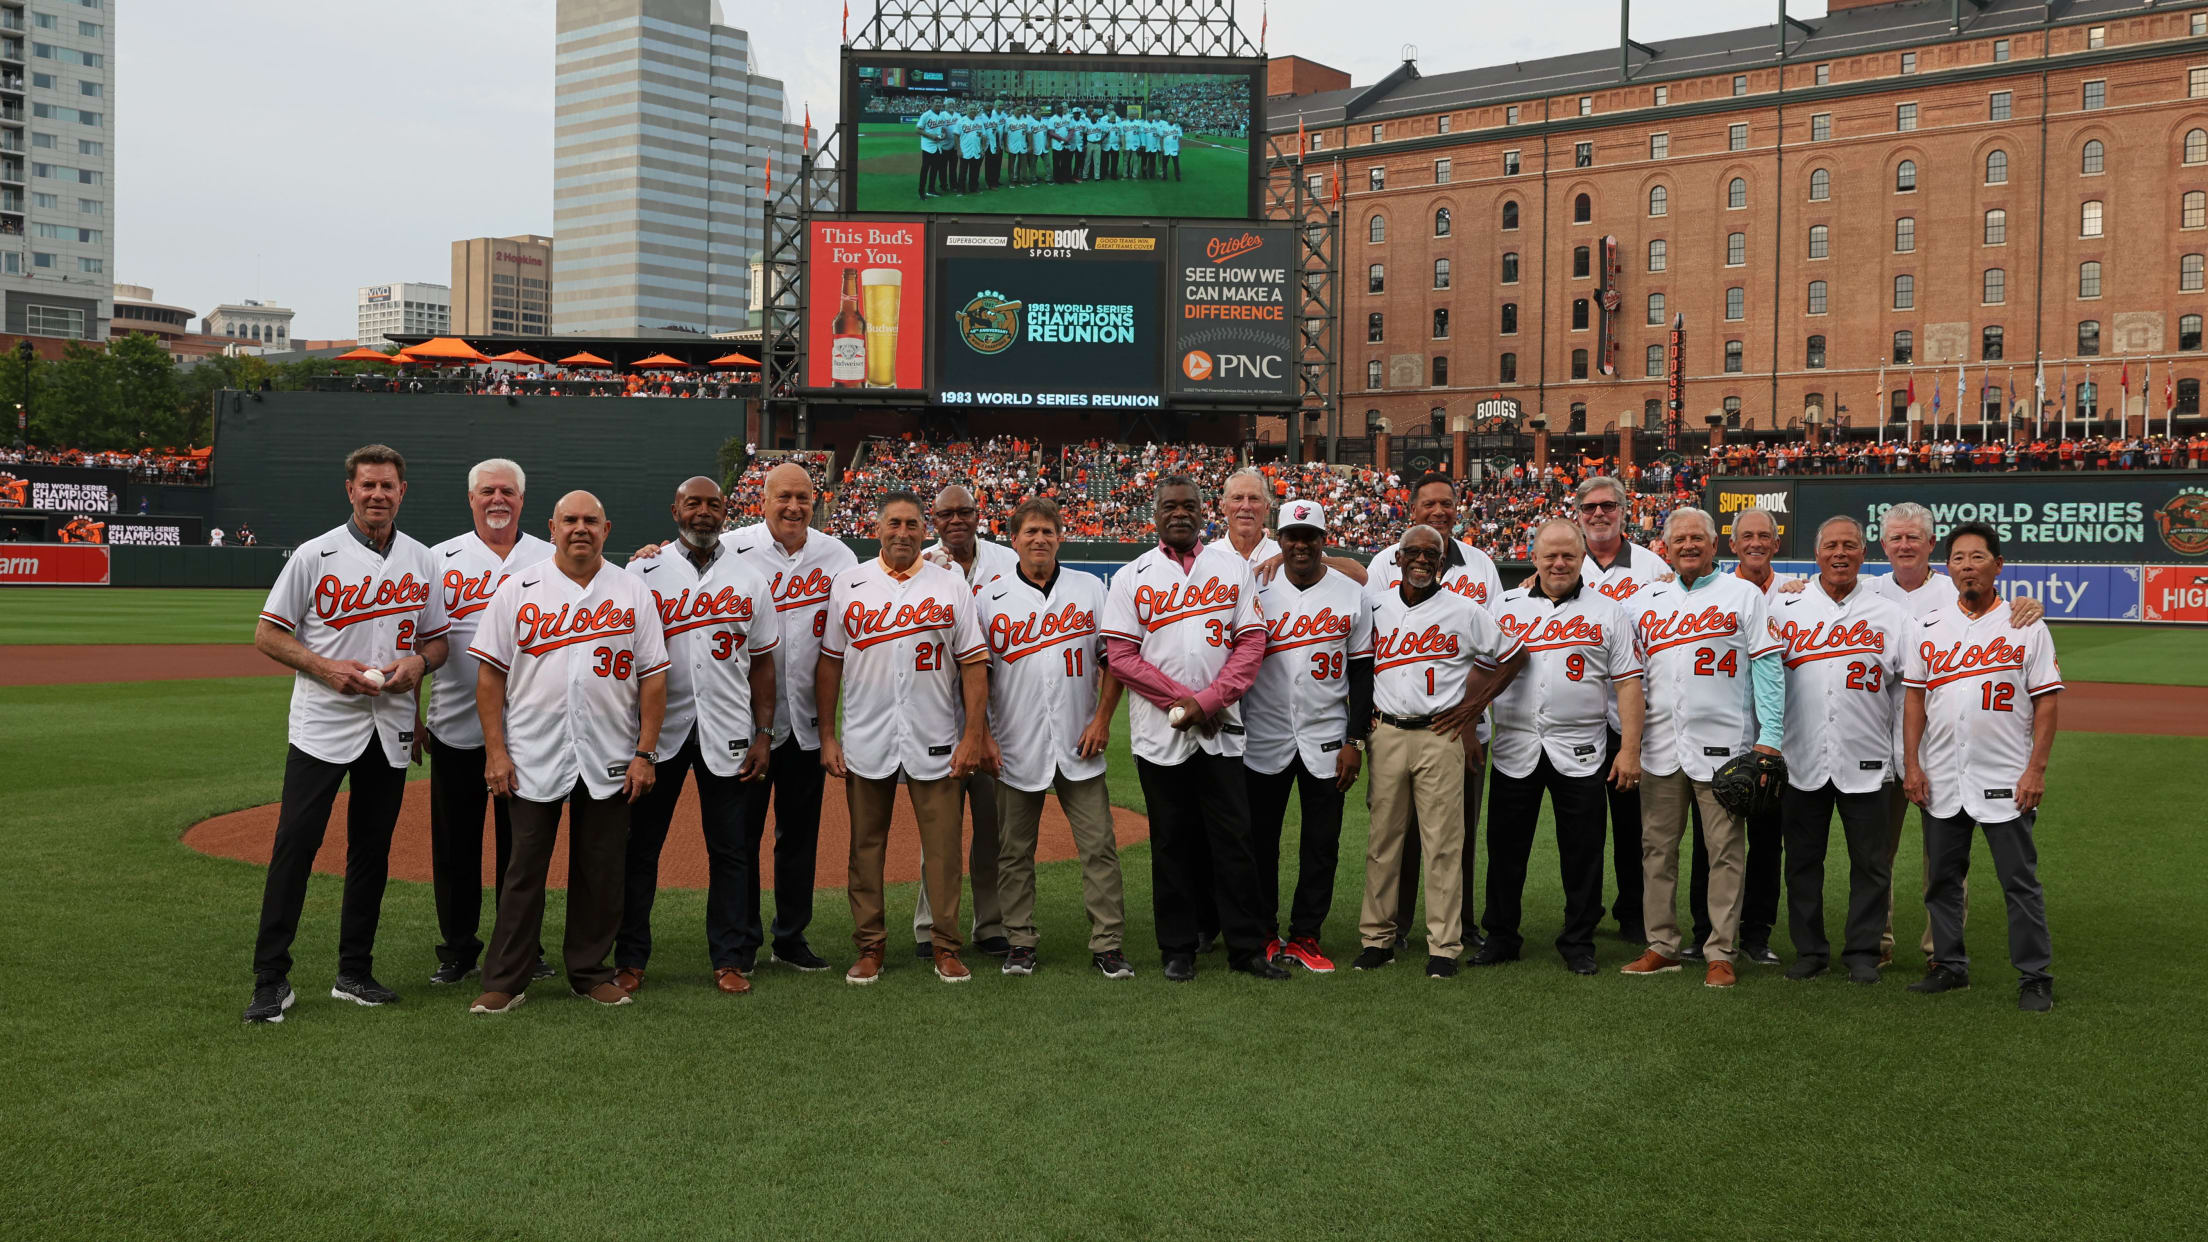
(1768, 673)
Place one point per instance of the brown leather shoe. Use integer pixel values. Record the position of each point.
(1650, 963)
(607, 994)
(629, 978)
(498, 1002)
(1885, 957)
(867, 969)
(732, 981)
(949, 969)
(1720, 975)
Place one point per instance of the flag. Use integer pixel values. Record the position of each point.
(1912, 389)
(770, 176)
(1301, 143)
(1958, 398)
(847, 21)
(1337, 183)
(808, 129)
(1264, 25)
(2169, 394)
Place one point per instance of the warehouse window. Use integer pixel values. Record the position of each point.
(1905, 347)
(1655, 309)
(1820, 241)
(1510, 267)
(2188, 333)
(1820, 127)
(2189, 273)
(1583, 209)
(2094, 160)
(2089, 218)
(1736, 303)
(1372, 374)
(1582, 262)
(1732, 357)
(1509, 319)
(1375, 323)
(1993, 287)
(1905, 117)
(1579, 314)
(1820, 184)
(1659, 201)
(1997, 227)
(1376, 278)
(1654, 365)
(1441, 273)
(1376, 230)
(1441, 323)
(2193, 212)
(1579, 364)
(1905, 177)
(1736, 194)
(1990, 345)
(1998, 105)
(1813, 353)
(1441, 222)
(1506, 368)
(1510, 215)
(1997, 168)
(1905, 292)
(2089, 338)
(1736, 249)
(1656, 255)
(2096, 95)
(1816, 297)
(1905, 234)
(2196, 146)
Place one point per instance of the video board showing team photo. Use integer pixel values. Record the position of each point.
(1060, 135)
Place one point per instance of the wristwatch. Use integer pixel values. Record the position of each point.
(1355, 743)
(648, 757)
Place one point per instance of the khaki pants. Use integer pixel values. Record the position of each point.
(979, 793)
(1900, 816)
(1417, 775)
(1088, 809)
(1663, 824)
(936, 805)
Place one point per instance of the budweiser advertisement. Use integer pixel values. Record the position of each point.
(867, 283)
(46, 564)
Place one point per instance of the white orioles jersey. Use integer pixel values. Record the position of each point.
(1981, 680)
(1473, 576)
(344, 602)
(1937, 591)
(799, 585)
(1577, 650)
(991, 562)
(1843, 691)
(715, 621)
(1046, 661)
(1186, 624)
(1299, 705)
(901, 643)
(1265, 550)
(575, 659)
(1696, 649)
(1423, 654)
(468, 571)
(1633, 570)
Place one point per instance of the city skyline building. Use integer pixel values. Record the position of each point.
(404, 307)
(502, 285)
(256, 326)
(57, 168)
(663, 134)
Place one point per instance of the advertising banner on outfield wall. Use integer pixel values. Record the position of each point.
(865, 307)
(2101, 517)
(1232, 334)
(1048, 315)
(1773, 496)
(2067, 592)
(48, 564)
(76, 489)
(2176, 593)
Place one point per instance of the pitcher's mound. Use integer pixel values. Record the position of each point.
(250, 835)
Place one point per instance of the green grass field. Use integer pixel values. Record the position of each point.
(1215, 171)
(1520, 1101)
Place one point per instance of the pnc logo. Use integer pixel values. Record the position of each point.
(1197, 365)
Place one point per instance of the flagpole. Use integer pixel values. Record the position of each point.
(1960, 381)
(2090, 410)
(2062, 414)
(1883, 399)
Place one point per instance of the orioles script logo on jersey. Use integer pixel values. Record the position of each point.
(868, 626)
(688, 610)
(1543, 634)
(465, 596)
(1408, 646)
(1659, 630)
(1183, 600)
(1823, 641)
(1016, 640)
(1997, 655)
(340, 604)
(1325, 625)
(537, 631)
(1621, 589)
(807, 588)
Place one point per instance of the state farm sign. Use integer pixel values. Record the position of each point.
(45, 564)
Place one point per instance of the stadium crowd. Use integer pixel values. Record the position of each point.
(2100, 452)
(151, 465)
(487, 382)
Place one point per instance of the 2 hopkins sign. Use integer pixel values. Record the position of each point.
(1232, 334)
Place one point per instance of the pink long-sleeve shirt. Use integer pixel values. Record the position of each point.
(1147, 680)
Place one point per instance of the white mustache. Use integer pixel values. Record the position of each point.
(498, 519)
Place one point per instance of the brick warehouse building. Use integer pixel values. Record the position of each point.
(1905, 183)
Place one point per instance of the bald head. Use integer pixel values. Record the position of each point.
(579, 529)
(786, 501)
(579, 502)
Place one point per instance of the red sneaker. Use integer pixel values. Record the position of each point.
(1304, 952)
(1273, 949)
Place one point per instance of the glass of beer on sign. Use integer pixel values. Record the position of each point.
(883, 287)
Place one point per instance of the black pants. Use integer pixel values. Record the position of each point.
(1625, 845)
(1175, 161)
(994, 163)
(1759, 886)
(1514, 810)
(721, 802)
(927, 172)
(1316, 857)
(456, 798)
(596, 831)
(1808, 827)
(1407, 889)
(794, 780)
(1201, 806)
(310, 789)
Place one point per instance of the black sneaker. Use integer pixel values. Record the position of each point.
(1494, 954)
(1941, 979)
(1206, 942)
(1112, 964)
(2032, 995)
(747, 960)
(797, 956)
(1580, 963)
(362, 990)
(1633, 933)
(1441, 968)
(1805, 968)
(1372, 959)
(1862, 972)
(270, 1000)
(1692, 953)
(1180, 968)
(924, 950)
(993, 946)
(1019, 960)
(1259, 968)
(1759, 954)
(450, 972)
(543, 969)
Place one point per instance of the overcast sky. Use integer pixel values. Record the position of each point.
(296, 151)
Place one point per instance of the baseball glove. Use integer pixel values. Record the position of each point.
(1749, 784)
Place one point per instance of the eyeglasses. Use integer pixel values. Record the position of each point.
(1599, 506)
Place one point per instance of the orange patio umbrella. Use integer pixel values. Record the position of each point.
(364, 354)
(660, 362)
(518, 355)
(733, 360)
(444, 351)
(584, 359)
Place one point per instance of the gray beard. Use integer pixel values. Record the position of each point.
(498, 521)
(697, 540)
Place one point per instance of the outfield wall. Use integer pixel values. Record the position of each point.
(279, 456)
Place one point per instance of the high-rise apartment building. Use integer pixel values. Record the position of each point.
(663, 132)
(57, 167)
(403, 307)
(502, 285)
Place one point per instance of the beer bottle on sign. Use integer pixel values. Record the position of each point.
(847, 337)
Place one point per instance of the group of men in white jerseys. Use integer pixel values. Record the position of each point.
(979, 677)
(967, 148)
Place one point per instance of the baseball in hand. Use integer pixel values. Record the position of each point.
(1176, 716)
(373, 676)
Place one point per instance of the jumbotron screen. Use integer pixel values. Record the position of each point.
(1058, 135)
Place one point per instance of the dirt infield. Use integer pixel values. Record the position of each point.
(248, 835)
(2114, 707)
(69, 666)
